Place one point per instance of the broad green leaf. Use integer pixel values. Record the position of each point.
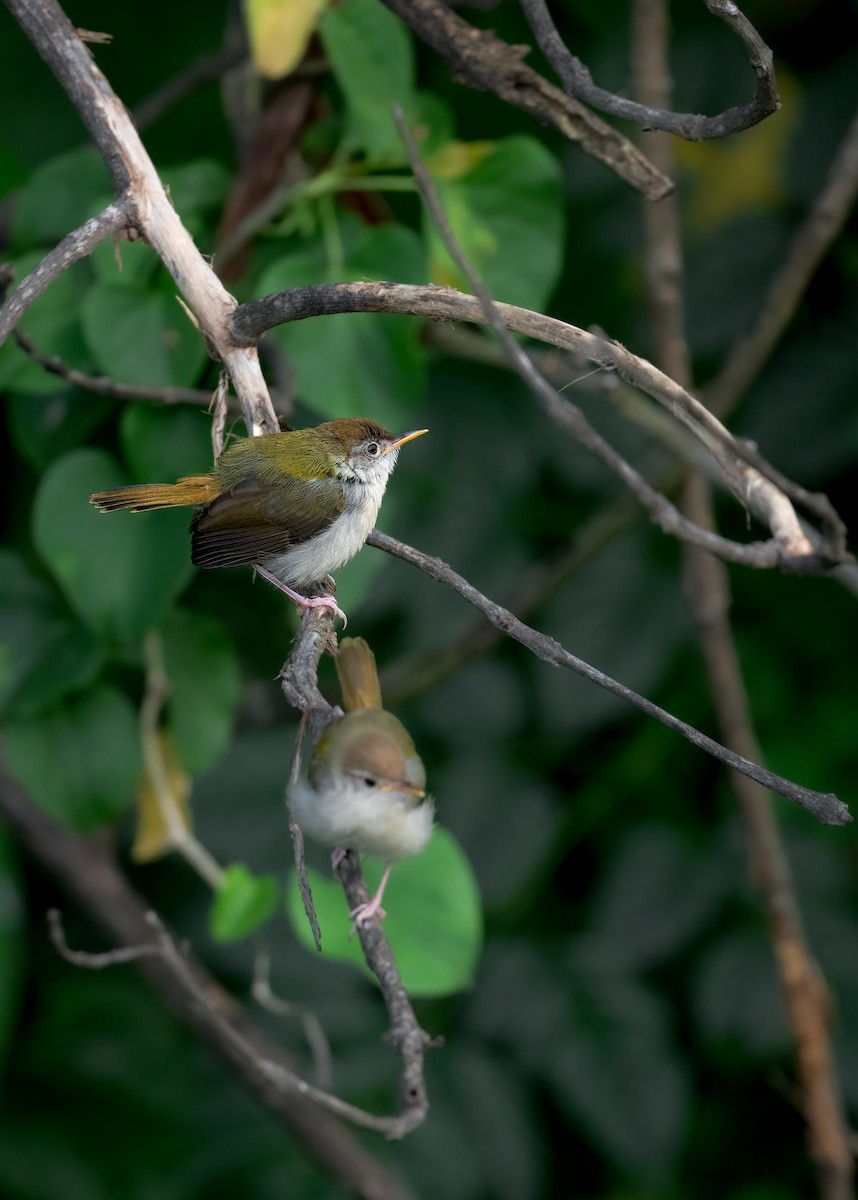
(356, 364)
(433, 921)
(142, 336)
(11, 942)
(81, 760)
(617, 1069)
(200, 186)
(44, 651)
(52, 322)
(205, 686)
(599, 1039)
(736, 996)
(119, 571)
(279, 31)
(635, 915)
(44, 427)
(60, 195)
(507, 214)
(242, 903)
(162, 444)
(372, 56)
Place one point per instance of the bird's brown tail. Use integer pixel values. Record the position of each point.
(358, 675)
(141, 497)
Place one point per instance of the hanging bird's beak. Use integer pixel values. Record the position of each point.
(406, 437)
(402, 787)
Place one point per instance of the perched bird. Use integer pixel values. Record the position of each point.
(365, 786)
(294, 505)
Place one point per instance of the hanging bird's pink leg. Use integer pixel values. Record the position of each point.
(302, 601)
(372, 908)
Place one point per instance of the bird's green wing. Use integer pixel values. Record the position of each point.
(254, 521)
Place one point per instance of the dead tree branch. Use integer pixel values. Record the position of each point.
(146, 204)
(85, 868)
(480, 60)
(805, 992)
(746, 473)
(578, 82)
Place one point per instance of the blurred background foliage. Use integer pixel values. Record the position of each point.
(623, 1014)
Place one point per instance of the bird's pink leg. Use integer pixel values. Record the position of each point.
(302, 601)
(372, 908)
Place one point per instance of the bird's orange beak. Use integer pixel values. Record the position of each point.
(402, 787)
(406, 437)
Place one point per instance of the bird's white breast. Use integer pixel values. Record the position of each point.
(322, 555)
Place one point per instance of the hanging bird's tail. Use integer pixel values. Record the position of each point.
(140, 497)
(358, 675)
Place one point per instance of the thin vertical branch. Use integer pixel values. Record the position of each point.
(707, 584)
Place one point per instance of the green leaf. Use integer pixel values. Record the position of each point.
(205, 686)
(44, 427)
(511, 200)
(242, 903)
(44, 652)
(635, 915)
(197, 187)
(372, 56)
(162, 444)
(142, 336)
(60, 195)
(354, 364)
(11, 943)
(53, 324)
(736, 995)
(81, 760)
(433, 921)
(119, 571)
(616, 1068)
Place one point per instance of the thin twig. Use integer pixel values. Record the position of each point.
(706, 578)
(204, 70)
(102, 385)
(445, 304)
(825, 806)
(111, 221)
(811, 243)
(578, 82)
(481, 60)
(86, 869)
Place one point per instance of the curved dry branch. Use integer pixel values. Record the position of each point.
(578, 82)
(790, 551)
(481, 60)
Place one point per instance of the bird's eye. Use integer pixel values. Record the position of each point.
(369, 781)
(373, 449)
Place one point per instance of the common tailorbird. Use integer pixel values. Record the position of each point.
(365, 785)
(295, 506)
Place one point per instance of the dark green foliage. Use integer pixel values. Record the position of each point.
(612, 1019)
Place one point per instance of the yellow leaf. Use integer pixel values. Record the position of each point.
(457, 158)
(743, 172)
(152, 839)
(279, 31)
